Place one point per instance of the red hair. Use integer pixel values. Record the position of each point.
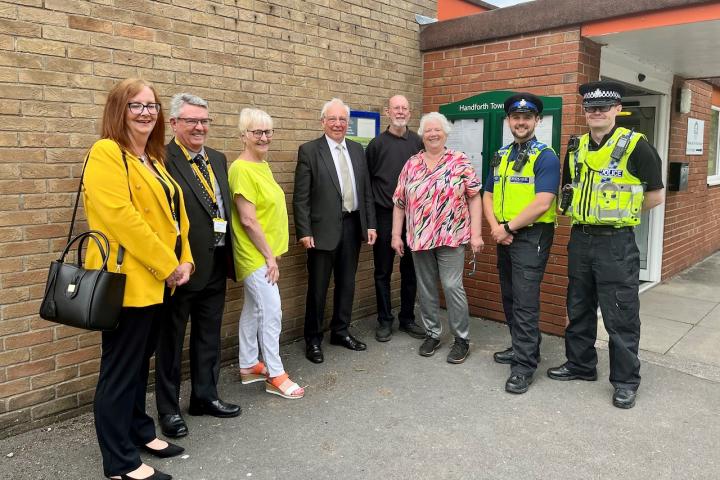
(114, 124)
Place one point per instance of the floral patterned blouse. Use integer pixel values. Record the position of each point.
(436, 202)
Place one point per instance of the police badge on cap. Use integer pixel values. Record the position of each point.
(523, 102)
(597, 94)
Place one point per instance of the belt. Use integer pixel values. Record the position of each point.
(350, 214)
(600, 229)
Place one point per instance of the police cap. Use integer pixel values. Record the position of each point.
(523, 102)
(597, 94)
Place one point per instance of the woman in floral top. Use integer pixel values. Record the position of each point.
(438, 196)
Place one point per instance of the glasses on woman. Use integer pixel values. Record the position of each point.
(259, 133)
(601, 108)
(137, 108)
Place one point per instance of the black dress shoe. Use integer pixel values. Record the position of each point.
(383, 332)
(563, 373)
(173, 425)
(349, 342)
(314, 353)
(413, 329)
(216, 408)
(506, 356)
(171, 450)
(624, 398)
(518, 383)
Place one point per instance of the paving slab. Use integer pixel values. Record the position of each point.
(673, 307)
(699, 344)
(389, 413)
(657, 334)
(679, 287)
(712, 319)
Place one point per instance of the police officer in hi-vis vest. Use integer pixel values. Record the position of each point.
(520, 205)
(610, 176)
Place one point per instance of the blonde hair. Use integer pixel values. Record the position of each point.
(253, 116)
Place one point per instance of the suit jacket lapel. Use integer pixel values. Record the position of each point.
(327, 158)
(187, 175)
(356, 169)
(156, 189)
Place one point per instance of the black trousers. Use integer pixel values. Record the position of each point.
(604, 270)
(384, 256)
(521, 266)
(205, 310)
(120, 419)
(342, 262)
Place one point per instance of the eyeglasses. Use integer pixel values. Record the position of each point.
(473, 264)
(259, 133)
(137, 108)
(601, 108)
(341, 120)
(194, 121)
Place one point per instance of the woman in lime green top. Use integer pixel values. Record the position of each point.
(260, 236)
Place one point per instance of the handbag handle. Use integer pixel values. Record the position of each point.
(70, 239)
(94, 235)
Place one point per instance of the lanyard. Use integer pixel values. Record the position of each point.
(169, 190)
(210, 190)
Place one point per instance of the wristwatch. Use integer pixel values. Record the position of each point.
(506, 225)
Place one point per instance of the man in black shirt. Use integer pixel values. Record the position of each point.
(386, 155)
(612, 174)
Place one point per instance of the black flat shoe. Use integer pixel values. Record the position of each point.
(314, 353)
(216, 408)
(173, 425)
(157, 475)
(171, 450)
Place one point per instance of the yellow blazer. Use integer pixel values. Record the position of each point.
(142, 224)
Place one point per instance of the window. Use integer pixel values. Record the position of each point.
(713, 150)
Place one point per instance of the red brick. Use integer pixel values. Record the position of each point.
(30, 368)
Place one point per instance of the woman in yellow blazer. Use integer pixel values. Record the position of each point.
(130, 197)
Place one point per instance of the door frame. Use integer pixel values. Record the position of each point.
(658, 84)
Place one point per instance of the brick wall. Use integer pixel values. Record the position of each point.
(692, 217)
(58, 58)
(550, 63)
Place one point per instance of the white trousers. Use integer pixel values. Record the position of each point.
(261, 322)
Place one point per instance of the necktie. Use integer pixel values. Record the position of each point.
(199, 160)
(347, 194)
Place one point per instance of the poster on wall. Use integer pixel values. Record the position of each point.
(363, 126)
(543, 131)
(467, 136)
(695, 131)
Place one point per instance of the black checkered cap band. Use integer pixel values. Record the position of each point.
(602, 95)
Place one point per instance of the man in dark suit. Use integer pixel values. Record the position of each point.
(201, 172)
(334, 211)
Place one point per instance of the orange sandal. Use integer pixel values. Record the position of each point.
(258, 374)
(283, 386)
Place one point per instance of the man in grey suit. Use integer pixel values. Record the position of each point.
(334, 211)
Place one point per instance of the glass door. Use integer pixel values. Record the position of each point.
(643, 111)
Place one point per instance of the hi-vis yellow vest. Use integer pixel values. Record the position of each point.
(513, 191)
(604, 191)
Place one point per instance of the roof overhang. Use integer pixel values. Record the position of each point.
(682, 40)
(540, 15)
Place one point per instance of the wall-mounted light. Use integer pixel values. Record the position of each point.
(684, 100)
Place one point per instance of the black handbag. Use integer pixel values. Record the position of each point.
(81, 297)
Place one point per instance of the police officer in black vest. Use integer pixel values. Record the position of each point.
(611, 175)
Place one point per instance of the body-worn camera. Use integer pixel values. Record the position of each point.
(566, 198)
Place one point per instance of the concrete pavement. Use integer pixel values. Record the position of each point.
(389, 413)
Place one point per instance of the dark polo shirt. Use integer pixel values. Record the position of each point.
(386, 156)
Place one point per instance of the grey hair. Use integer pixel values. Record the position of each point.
(179, 100)
(253, 116)
(444, 123)
(330, 104)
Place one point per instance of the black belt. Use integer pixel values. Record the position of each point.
(600, 229)
(350, 214)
